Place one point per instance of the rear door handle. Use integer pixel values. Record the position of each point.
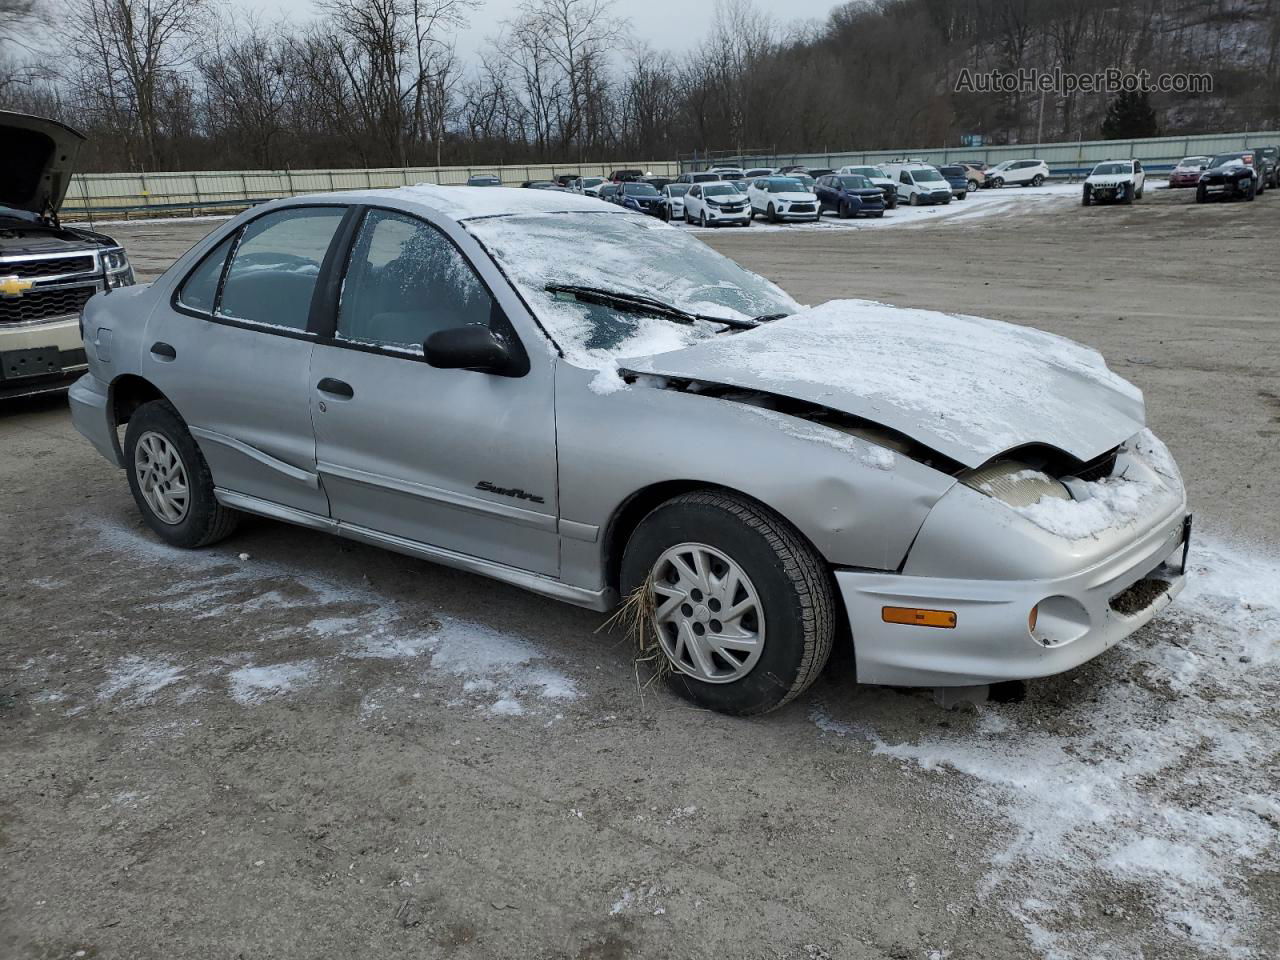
(163, 351)
(336, 388)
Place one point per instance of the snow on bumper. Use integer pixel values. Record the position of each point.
(992, 639)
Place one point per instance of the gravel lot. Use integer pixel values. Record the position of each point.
(294, 746)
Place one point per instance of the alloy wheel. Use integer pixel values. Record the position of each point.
(162, 477)
(709, 617)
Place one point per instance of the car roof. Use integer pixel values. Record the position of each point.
(459, 203)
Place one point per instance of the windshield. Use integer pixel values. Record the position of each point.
(705, 177)
(925, 176)
(720, 190)
(1111, 169)
(1001, 166)
(785, 185)
(678, 189)
(592, 181)
(1194, 161)
(635, 255)
(853, 182)
(1222, 159)
(952, 171)
(639, 190)
(865, 171)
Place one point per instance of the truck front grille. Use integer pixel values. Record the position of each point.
(50, 267)
(38, 304)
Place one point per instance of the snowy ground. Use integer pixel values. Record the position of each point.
(293, 746)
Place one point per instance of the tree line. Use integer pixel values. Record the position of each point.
(189, 84)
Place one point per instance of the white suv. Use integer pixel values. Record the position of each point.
(781, 198)
(716, 205)
(1120, 180)
(1018, 173)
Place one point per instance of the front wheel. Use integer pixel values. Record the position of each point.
(1086, 198)
(743, 606)
(1037, 180)
(1202, 195)
(773, 213)
(915, 200)
(170, 480)
(973, 186)
(997, 183)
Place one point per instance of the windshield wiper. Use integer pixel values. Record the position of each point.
(637, 303)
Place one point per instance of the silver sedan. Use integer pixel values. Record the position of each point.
(595, 406)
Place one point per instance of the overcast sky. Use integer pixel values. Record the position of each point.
(675, 25)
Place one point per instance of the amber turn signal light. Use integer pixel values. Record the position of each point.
(1032, 617)
(918, 618)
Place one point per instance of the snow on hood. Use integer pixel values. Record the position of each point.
(969, 388)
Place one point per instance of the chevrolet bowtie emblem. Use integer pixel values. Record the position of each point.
(15, 286)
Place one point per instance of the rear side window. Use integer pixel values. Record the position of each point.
(275, 267)
(406, 280)
(201, 286)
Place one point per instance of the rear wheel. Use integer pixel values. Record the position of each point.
(744, 608)
(973, 186)
(170, 479)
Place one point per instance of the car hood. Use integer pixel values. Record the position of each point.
(966, 387)
(38, 160)
(1110, 180)
(728, 198)
(795, 197)
(1228, 168)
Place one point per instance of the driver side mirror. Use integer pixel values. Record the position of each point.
(473, 347)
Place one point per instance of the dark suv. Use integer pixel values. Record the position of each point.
(1230, 176)
(1268, 165)
(47, 271)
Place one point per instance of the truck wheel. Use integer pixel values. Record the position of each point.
(744, 607)
(170, 479)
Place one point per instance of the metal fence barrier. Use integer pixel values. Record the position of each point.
(152, 194)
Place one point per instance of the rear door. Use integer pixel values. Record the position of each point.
(234, 354)
(461, 460)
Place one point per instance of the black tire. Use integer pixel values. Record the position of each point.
(1252, 191)
(206, 520)
(1201, 195)
(1128, 193)
(915, 200)
(996, 183)
(891, 203)
(790, 577)
(773, 214)
(1086, 198)
(843, 212)
(974, 186)
(1037, 180)
(878, 214)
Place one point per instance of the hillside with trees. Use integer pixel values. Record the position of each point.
(185, 84)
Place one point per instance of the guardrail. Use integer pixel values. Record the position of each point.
(148, 194)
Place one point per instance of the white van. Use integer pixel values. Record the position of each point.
(918, 182)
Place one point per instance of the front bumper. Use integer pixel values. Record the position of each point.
(991, 640)
(91, 415)
(40, 357)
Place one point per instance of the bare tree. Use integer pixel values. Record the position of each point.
(246, 89)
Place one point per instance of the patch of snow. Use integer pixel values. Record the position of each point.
(252, 684)
(139, 678)
(608, 380)
(1164, 784)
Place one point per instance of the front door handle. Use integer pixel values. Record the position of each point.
(163, 351)
(336, 388)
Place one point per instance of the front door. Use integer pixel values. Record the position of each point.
(234, 357)
(456, 459)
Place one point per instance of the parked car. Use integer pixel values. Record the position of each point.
(1229, 176)
(658, 182)
(729, 173)
(918, 183)
(671, 203)
(757, 172)
(1114, 180)
(701, 176)
(625, 176)
(589, 185)
(48, 271)
(792, 168)
(849, 195)
(1187, 172)
(717, 205)
(541, 185)
(1268, 166)
(887, 184)
(608, 191)
(637, 196)
(444, 373)
(564, 180)
(819, 172)
(806, 181)
(957, 178)
(782, 198)
(975, 173)
(1018, 173)
(484, 180)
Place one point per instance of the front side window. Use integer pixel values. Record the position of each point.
(406, 281)
(275, 267)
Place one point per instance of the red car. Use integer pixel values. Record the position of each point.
(1187, 173)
